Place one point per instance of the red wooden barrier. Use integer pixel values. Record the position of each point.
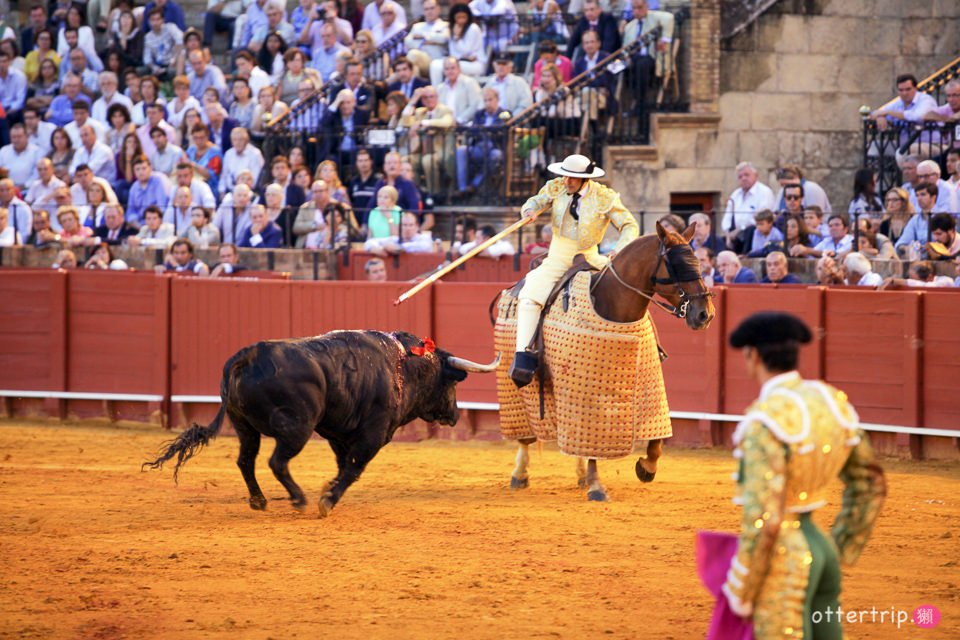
(33, 335)
(318, 307)
(741, 301)
(118, 327)
(941, 365)
(872, 352)
(410, 265)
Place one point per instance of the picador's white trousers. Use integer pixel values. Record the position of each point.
(540, 283)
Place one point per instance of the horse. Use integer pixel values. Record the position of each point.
(661, 264)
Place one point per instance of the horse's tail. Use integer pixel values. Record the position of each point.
(188, 444)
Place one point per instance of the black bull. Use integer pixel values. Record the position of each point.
(354, 388)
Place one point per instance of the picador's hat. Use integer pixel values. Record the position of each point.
(770, 327)
(577, 166)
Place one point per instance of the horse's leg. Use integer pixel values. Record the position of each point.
(519, 479)
(647, 467)
(596, 491)
(581, 473)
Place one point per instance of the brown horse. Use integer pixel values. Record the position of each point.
(661, 265)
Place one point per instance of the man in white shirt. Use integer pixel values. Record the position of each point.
(39, 132)
(860, 272)
(838, 242)
(8, 236)
(109, 97)
(911, 106)
(200, 193)
(21, 215)
(410, 239)
(460, 92)
(514, 91)
(96, 155)
(20, 157)
(389, 23)
(82, 179)
(241, 156)
(431, 35)
(233, 216)
(500, 248)
(41, 193)
(372, 13)
(256, 77)
(749, 198)
(167, 156)
(928, 172)
(81, 118)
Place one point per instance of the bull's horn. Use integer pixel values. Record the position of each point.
(474, 367)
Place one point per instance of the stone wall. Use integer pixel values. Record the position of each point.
(789, 91)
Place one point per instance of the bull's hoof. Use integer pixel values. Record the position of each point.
(258, 503)
(326, 506)
(643, 474)
(519, 483)
(597, 495)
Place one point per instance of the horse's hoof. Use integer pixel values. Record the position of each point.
(258, 503)
(300, 505)
(597, 495)
(519, 483)
(326, 506)
(643, 474)
(581, 483)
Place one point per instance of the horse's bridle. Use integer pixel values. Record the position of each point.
(678, 271)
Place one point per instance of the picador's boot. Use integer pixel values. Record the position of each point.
(524, 367)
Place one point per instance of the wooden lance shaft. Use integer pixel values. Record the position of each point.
(459, 261)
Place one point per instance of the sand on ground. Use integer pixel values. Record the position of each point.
(430, 543)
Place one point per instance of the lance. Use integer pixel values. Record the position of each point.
(459, 261)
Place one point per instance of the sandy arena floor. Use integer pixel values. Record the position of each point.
(429, 543)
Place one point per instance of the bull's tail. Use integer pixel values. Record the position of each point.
(188, 444)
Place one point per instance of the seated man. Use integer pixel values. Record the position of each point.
(813, 193)
(860, 272)
(20, 158)
(943, 231)
(154, 232)
(181, 260)
(410, 240)
(836, 243)
(9, 237)
(653, 59)
(731, 271)
(482, 156)
(262, 233)
(708, 271)
(921, 274)
(777, 270)
(431, 133)
(513, 91)
(502, 247)
(41, 234)
(229, 263)
(114, 230)
(376, 270)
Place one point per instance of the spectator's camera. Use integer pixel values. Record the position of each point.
(321, 13)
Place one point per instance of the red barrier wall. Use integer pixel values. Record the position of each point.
(409, 266)
(941, 364)
(318, 307)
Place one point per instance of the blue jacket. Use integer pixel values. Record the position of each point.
(272, 237)
(787, 279)
(744, 276)
(172, 12)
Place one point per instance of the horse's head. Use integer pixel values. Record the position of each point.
(678, 280)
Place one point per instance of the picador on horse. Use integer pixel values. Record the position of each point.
(586, 370)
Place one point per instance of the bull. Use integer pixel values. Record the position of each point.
(353, 388)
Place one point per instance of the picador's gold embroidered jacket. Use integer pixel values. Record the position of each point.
(599, 207)
(797, 437)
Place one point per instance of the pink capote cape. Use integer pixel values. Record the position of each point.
(715, 552)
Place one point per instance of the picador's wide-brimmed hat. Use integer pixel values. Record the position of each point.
(577, 166)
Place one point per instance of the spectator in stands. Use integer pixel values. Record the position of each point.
(430, 130)
(362, 187)
(205, 76)
(389, 25)
(817, 227)
(294, 74)
(949, 112)
(921, 274)
(731, 271)
(276, 212)
(146, 133)
(109, 96)
(20, 212)
(9, 237)
(795, 235)
(310, 216)
(560, 118)
(337, 232)
(39, 133)
(181, 260)
(126, 175)
(118, 117)
(431, 35)
(242, 106)
(703, 235)
(262, 232)
(41, 234)
(860, 272)
(546, 23)
(813, 193)
(917, 232)
(172, 12)
(365, 100)
(178, 211)
(307, 113)
(653, 59)
(200, 191)
(482, 155)
(42, 190)
(81, 118)
(943, 228)
(268, 108)
(256, 78)
(502, 247)
(708, 271)
(778, 270)
(220, 126)
(280, 171)
(837, 242)
(762, 238)
(221, 17)
(952, 161)
(149, 94)
(60, 112)
(601, 23)
(375, 268)
(375, 63)
(542, 245)
(20, 157)
(155, 233)
(406, 80)
(874, 245)
(591, 56)
(37, 22)
(229, 263)
(66, 259)
(672, 222)
(550, 55)
(242, 156)
(45, 88)
(324, 57)
(409, 199)
(458, 91)
(928, 172)
(182, 101)
(233, 216)
(72, 233)
(327, 171)
(410, 240)
(466, 46)
(342, 135)
(373, 14)
(911, 106)
(149, 189)
(384, 220)
(95, 155)
(514, 92)
(84, 180)
(167, 156)
(201, 233)
(328, 12)
(96, 204)
(114, 230)
(100, 258)
(793, 199)
(206, 159)
(161, 44)
(865, 201)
